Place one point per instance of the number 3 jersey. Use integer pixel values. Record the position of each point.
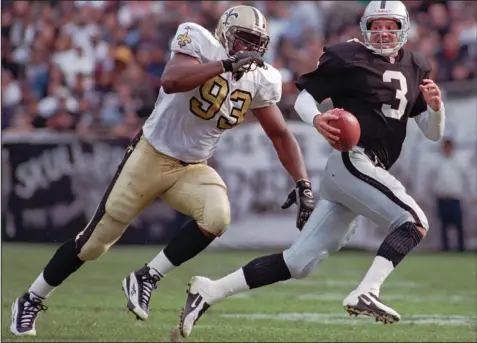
(187, 126)
(382, 95)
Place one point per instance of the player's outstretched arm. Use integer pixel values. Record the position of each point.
(291, 157)
(184, 73)
(192, 63)
(288, 150)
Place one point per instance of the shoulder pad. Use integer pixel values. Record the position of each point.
(346, 50)
(336, 56)
(194, 40)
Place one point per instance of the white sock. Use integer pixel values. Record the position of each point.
(160, 265)
(229, 285)
(40, 289)
(377, 273)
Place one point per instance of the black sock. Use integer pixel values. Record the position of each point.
(63, 263)
(187, 244)
(266, 270)
(399, 243)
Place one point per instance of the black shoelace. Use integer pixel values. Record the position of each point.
(149, 283)
(31, 308)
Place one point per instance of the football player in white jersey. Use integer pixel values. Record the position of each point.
(207, 87)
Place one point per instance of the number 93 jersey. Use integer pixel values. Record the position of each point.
(187, 126)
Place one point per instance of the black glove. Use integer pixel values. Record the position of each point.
(303, 197)
(242, 61)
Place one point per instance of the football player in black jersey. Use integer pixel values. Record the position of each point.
(383, 85)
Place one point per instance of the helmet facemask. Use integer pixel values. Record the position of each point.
(250, 39)
(378, 48)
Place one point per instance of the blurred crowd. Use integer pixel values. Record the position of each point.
(94, 67)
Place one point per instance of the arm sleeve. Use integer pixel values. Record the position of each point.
(431, 123)
(305, 106)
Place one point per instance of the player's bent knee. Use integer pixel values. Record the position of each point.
(107, 231)
(300, 268)
(422, 230)
(421, 222)
(92, 251)
(215, 216)
(216, 219)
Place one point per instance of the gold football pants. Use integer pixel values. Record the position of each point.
(144, 174)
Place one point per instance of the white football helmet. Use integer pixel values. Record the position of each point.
(245, 24)
(395, 10)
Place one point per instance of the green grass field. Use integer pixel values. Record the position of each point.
(436, 295)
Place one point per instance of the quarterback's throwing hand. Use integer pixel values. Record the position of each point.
(432, 94)
(302, 196)
(242, 61)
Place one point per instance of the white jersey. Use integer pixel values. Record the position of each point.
(187, 126)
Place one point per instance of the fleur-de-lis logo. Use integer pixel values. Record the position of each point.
(230, 14)
(184, 39)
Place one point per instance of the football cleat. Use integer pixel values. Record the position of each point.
(24, 313)
(368, 304)
(138, 287)
(195, 305)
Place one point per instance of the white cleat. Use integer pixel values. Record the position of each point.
(138, 287)
(195, 305)
(368, 304)
(24, 313)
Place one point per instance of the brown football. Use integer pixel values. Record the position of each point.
(350, 130)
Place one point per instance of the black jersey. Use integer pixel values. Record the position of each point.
(382, 95)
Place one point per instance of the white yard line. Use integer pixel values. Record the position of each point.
(348, 283)
(343, 319)
(320, 296)
(387, 297)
